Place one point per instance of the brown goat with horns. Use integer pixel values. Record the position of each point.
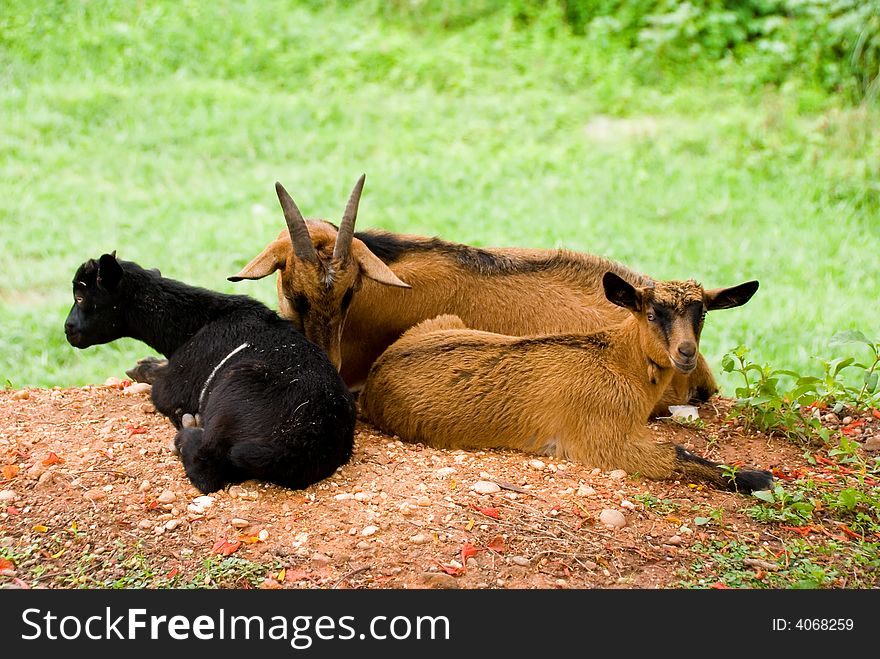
(350, 292)
(582, 397)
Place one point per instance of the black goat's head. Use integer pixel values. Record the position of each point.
(96, 315)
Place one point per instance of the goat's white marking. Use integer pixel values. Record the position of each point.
(218, 367)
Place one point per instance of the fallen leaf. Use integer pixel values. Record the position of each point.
(453, 570)
(10, 471)
(467, 551)
(52, 459)
(39, 528)
(172, 573)
(135, 430)
(224, 547)
(497, 545)
(470, 525)
(6, 564)
(720, 586)
(12, 510)
(281, 574)
(58, 554)
(852, 534)
(296, 574)
(494, 513)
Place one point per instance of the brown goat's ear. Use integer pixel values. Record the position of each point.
(727, 298)
(621, 292)
(109, 271)
(273, 258)
(372, 266)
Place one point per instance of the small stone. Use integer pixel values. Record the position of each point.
(405, 509)
(238, 522)
(166, 497)
(617, 474)
(95, 494)
(420, 539)
(112, 382)
(675, 541)
(145, 524)
(263, 535)
(194, 509)
(37, 470)
(172, 524)
(485, 487)
(846, 420)
(148, 408)
(45, 479)
(831, 418)
(444, 472)
(613, 519)
(596, 471)
(204, 501)
(344, 496)
(439, 580)
(424, 502)
(629, 505)
(363, 544)
(320, 559)
(24, 394)
(872, 443)
(369, 530)
(144, 486)
(585, 491)
(363, 496)
(521, 560)
(137, 388)
(537, 464)
(7, 495)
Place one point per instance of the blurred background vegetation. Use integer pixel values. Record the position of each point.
(717, 139)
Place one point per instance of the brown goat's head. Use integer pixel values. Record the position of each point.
(673, 313)
(319, 271)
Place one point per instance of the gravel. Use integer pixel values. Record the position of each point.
(485, 487)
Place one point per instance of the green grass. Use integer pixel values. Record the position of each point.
(158, 129)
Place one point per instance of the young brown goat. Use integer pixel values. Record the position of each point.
(360, 309)
(583, 397)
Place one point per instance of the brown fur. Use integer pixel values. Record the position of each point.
(511, 291)
(583, 397)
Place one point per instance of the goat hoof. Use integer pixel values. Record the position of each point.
(189, 421)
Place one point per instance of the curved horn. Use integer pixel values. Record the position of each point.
(342, 249)
(296, 226)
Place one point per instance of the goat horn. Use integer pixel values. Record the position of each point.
(296, 226)
(346, 228)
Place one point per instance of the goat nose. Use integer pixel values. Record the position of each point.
(687, 350)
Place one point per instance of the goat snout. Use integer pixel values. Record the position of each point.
(685, 357)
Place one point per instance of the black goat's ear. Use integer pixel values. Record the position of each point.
(155, 271)
(109, 271)
(621, 292)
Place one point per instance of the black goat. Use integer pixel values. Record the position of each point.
(250, 396)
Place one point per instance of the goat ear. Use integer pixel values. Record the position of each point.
(273, 258)
(109, 271)
(621, 292)
(372, 266)
(727, 298)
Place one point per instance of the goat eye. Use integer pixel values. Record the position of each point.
(651, 316)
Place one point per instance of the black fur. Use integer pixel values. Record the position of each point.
(276, 411)
(390, 248)
(745, 480)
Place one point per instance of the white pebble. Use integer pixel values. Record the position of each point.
(444, 472)
(344, 496)
(166, 497)
(420, 539)
(617, 474)
(369, 530)
(485, 487)
(144, 486)
(7, 495)
(536, 464)
(363, 496)
(238, 522)
(172, 524)
(137, 388)
(585, 491)
(204, 501)
(521, 560)
(612, 518)
(629, 505)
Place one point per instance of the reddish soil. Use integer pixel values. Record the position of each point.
(92, 496)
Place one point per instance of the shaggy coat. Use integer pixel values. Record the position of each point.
(250, 396)
(582, 397)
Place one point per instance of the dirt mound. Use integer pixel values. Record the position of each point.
(93, 497)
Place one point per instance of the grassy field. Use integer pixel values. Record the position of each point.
(158, 129)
